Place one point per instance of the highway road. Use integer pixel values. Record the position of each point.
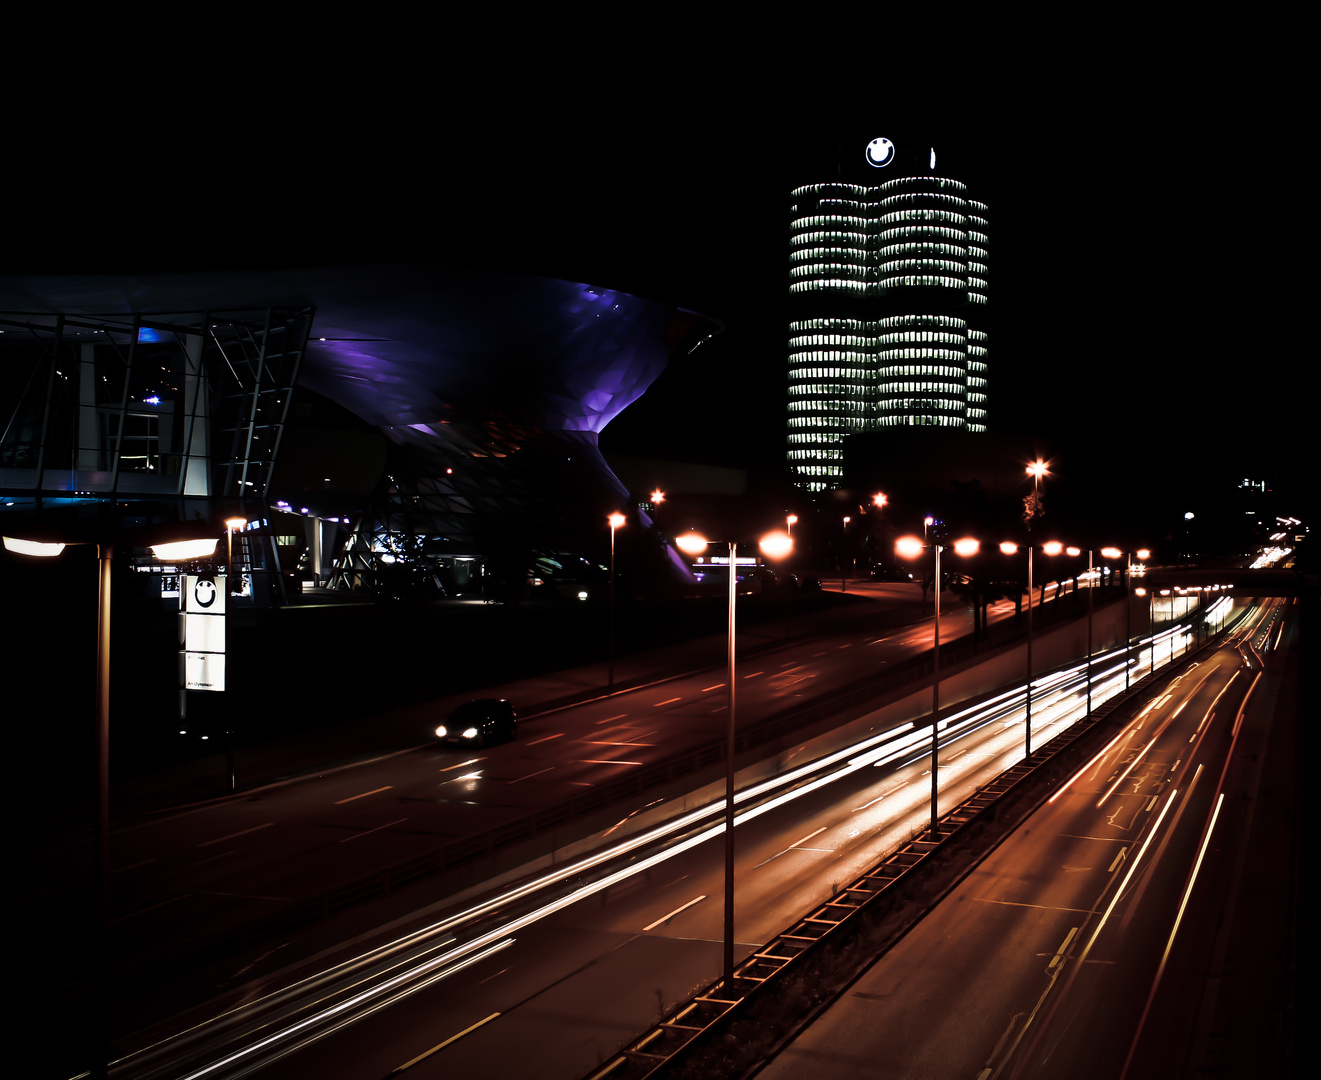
(232, 860)
(548, 982)
(1074, 949)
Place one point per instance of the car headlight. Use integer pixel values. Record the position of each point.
(440, 732)
(470, 733)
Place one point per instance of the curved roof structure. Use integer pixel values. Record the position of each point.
(403, 345)
(491, 386)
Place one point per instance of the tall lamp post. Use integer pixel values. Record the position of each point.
(843, 543)
(774, 545)
(1008, 547)
(910, 547)
(1114, 553)
(1051, 547)
(48, 547)
(231, 524)
(614, 521)
(1073, 553)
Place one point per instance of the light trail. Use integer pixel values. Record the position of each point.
(1056, 695)
(1178, 918)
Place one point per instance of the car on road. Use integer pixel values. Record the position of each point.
(480, 722)
(891, 574)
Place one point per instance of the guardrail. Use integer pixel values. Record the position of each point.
(475, 852)
(785, 984)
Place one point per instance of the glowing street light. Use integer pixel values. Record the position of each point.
(231, 524)
(1036, 470)
(105, 551)
(879, 500)
(790, 522)
(843, 543)
(774, 545)
(615, 520)
(910, 547)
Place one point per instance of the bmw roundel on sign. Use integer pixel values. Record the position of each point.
(880, 152)
(204, 592)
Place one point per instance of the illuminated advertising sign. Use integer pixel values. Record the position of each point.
(880, 152)
(202, 632)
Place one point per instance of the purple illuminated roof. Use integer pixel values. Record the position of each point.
(405, 347)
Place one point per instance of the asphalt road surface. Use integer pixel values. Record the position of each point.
(1081, 947)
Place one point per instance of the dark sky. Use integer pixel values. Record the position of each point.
(1140, 290)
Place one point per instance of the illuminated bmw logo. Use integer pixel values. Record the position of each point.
(880, 152)
(204, 592)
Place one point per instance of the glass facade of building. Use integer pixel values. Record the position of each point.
(887, 286)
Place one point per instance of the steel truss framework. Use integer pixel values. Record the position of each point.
(179, 409)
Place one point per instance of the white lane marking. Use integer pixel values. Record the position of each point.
(1131, 765)
(1118, 859)
(754, 674)
(670, 701)
(794, 845)
(598, 761)
(544, 738)
(672, 914)
(374, 791)
(368, 832)
(461, 764)
(607, 720)
(236, 835)
(1064, 945)
(441, 1046)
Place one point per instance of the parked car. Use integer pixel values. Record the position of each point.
(891, 573)
(480, 722)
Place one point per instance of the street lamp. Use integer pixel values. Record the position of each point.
(105, 551)
(614, 521)
(1051, 547)
(843, 543)
(790, 522)
(774, 545)
(910, 547)
(1008, 547)
(231, 524)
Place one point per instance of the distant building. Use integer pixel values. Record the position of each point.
(887, 287)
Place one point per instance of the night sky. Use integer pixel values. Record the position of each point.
(1141, 312)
